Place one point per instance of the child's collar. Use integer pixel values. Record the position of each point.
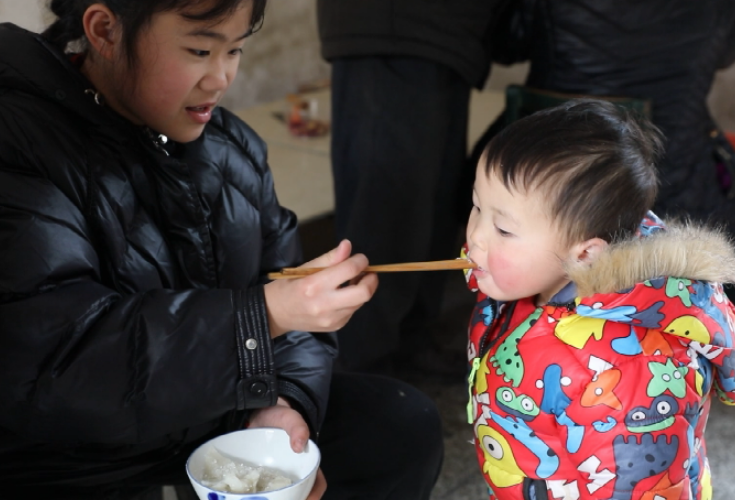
(564, 296)
(683, 250)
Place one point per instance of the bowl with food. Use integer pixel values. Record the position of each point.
(253, 464)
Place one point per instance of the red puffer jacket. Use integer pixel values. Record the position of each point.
(604, 392)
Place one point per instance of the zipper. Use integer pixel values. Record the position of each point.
(481, 351)
(158, 140)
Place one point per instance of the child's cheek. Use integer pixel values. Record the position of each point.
(502, 271)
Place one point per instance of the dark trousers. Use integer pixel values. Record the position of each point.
(381, 440)
(399, 143)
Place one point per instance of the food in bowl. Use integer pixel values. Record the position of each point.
(223, 474)
(258, 447)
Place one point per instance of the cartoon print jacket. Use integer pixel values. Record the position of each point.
(604, 392)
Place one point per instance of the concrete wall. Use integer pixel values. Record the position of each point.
(285, 54)
(29, 14)
(281, 56)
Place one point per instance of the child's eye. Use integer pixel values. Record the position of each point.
(199, 53)
(502, 232)
(236, 52)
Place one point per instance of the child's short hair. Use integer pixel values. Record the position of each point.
(593, 160)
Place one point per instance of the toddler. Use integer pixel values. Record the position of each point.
(600, 333)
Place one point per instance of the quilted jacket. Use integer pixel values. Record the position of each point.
(604, 392)
(132, 317)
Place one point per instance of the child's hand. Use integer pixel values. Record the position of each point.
(318, 302)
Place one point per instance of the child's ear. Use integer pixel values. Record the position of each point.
(102, 30)
(588, 251)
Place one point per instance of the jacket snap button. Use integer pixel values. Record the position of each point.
(251, 344)
(60, 95)
(258, 388)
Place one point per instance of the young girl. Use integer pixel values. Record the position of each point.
(137, 224)
(597, 340)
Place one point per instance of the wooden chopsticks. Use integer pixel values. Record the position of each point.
(437, 265)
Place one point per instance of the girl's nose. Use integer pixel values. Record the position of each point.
(218, 78)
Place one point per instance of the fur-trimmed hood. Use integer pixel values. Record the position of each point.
(682, 250)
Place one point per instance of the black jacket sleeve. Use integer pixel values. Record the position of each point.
(303, 360)
(81, 361)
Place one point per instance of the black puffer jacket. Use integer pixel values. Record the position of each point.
(663, 50)
(456, 33)
(132, 316)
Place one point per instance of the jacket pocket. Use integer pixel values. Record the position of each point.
(535, 489)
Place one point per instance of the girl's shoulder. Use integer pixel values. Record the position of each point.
(37, 135)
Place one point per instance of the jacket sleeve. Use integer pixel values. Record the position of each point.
(303, 359)
(79, 361)
(721, 351)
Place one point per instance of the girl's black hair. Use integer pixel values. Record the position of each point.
(136, 14)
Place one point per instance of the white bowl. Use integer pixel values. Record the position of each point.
(266, 447)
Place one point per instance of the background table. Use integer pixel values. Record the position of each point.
(301, 165)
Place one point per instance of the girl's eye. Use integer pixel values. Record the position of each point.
(236, 52)
(199, 53)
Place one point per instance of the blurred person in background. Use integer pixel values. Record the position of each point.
(402, 72)
(663, 51)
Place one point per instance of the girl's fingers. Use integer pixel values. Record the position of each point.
(339, 273)
(334, 256)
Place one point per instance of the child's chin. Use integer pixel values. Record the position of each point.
(494, 293)
(489, 289)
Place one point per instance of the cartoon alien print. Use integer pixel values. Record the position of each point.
(640, 455)
(507, 359)
(499, 463)
(667, 377)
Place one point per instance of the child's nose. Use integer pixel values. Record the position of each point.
(475, 236)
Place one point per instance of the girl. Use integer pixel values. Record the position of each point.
(137, 223)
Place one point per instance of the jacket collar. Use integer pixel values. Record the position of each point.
(683, 249)
(31, 64)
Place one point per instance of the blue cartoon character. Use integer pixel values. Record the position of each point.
(638, 457)
(548, 459)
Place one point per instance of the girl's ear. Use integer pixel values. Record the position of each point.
(588, 251)
(102, 30)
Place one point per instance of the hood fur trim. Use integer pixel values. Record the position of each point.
(683, 250)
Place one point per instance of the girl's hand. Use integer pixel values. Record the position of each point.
(286, 418)
(319, 302)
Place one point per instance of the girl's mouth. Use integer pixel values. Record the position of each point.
(200, 114)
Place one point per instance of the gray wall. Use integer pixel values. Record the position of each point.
(285, 54)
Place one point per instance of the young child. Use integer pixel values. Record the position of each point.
(599, 332)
